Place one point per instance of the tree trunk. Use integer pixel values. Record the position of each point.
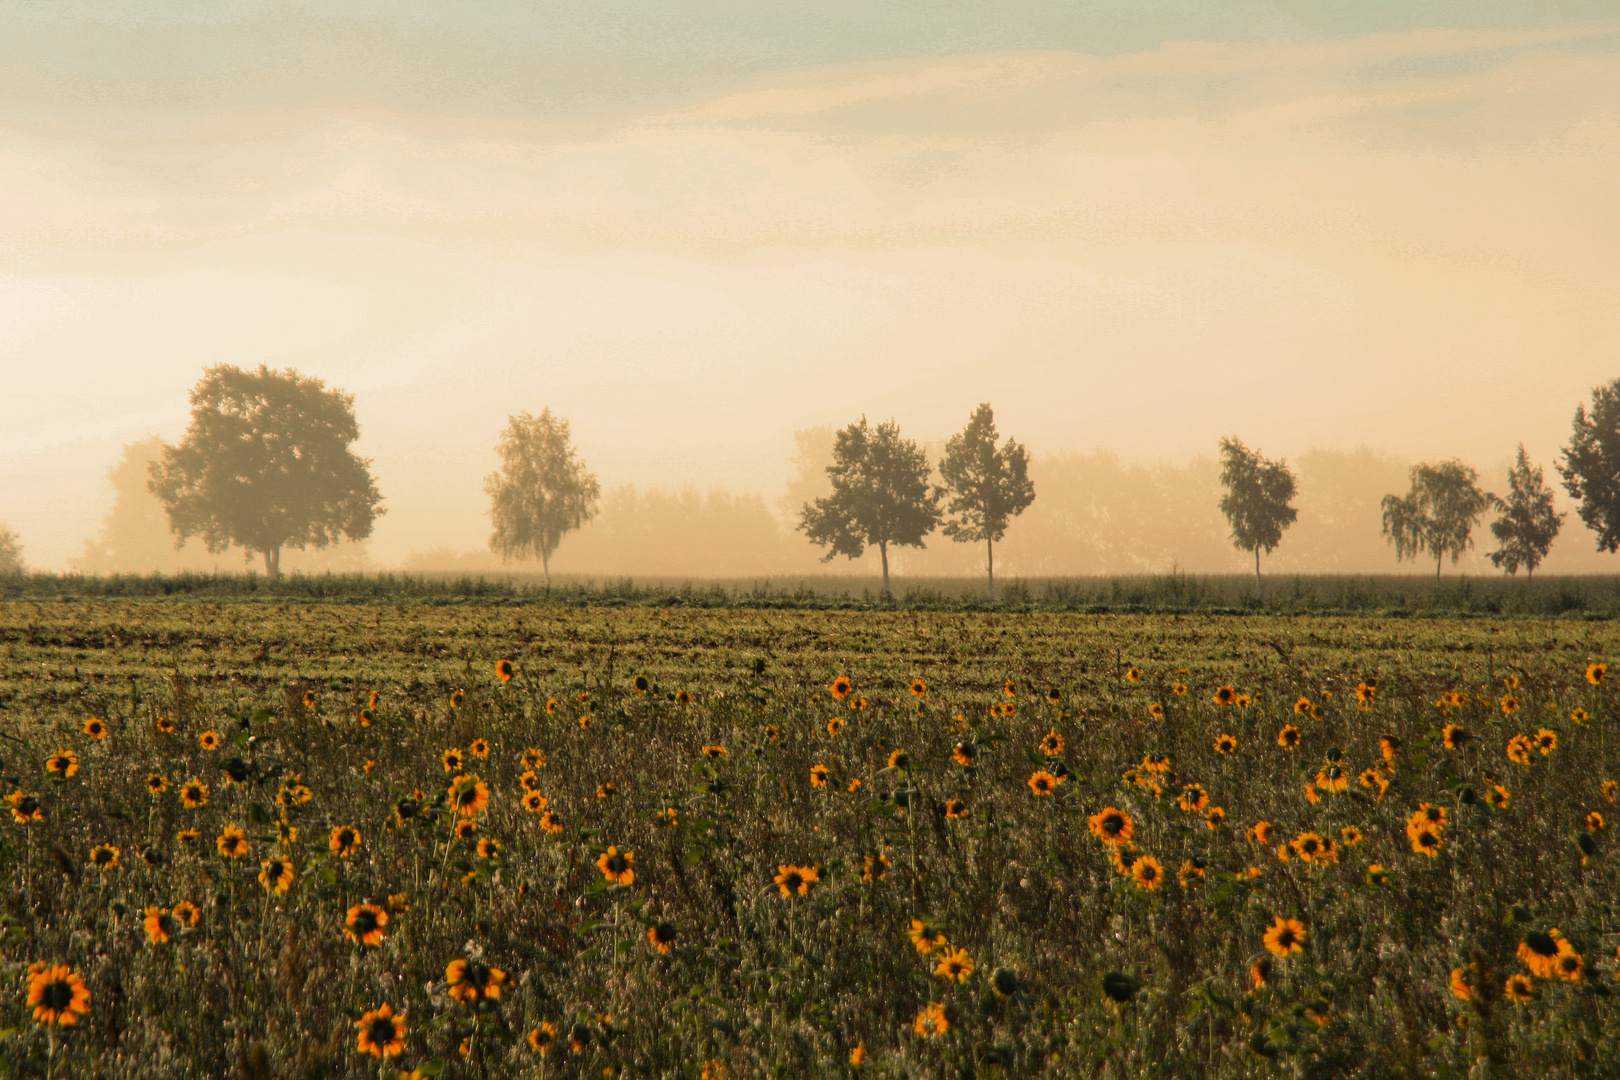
(883, 552)
(1257, 571)
(272, 563)
(990, 556)
(545, 564)
(1438, 559)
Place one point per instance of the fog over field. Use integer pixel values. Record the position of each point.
(708, 234)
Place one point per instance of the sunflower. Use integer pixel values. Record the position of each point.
(1133, 674)
(276, 874)
(1260, 833)
(543, 1039)
(1148, 873)
(382, 1034)
(714, 753)
(1376, 874)
(1519, 990)
(465, 829)
(772, 733)
(1285, 937)
(165, 724)
(1192, 874)
(1214, 817)
(1580, 716)
(619, 868)
(874, 867)
(1518, 750)
(344, 841)
(1053, 695)
(365, 924)
(931, 1021)
(841, 688)
(63, 763)
(1569, 964)
(1156, 711)
(1260, 972)
(551, 822)
(1498, 796)
(489, 848)
(661, 936)
(457, 698)
(818, 776)
(1351, 835)
(1311, 795)
(208, 740)
(858, 704)
(57, 995)
(1510, 704)
(468, 795)
(1309, 846)
(471, 982)
(1009, 688)
(1226, 695)
(1596, 673)
(965, 753)
(835, 726)
(1611, 790)
(1332, 779)
(1112, 826)
(188, 836)
(1546, 741)
(1427, 814)
(503, 670)
(796, 879)
(1460, 987)
(1539, 951)
(955, 808)
(1288, 738)
(160, 926)
(1595, 822)
(1389, 746)
(232, 842)
(1043, 783)
(1124, 857)
(528, 781)
(286, 832)
(452, 760)
(919, 688)
(1226, 744)
(1052, 743)
(534, 802)
(899, 759)
(294, 793)
(1303, 707)
(1193, 798)
(104, 857)
(1366, 694)
(955, 965)
(95, 728)
(1426, 841)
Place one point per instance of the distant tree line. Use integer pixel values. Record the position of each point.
(267, 464)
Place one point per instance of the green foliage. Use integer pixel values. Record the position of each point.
(11, 561)
(1591, 465)
(988, 486)
(881, 495)
(1438, 514)
(1528, 523)
(1256, 501)
(266, 464)
(542, 490)
(1078, 970)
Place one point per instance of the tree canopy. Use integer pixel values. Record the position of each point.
(266, 464)
(1256, 503)
(541, 492)
(1437, 515)
(881, 495)
(1591, 464)
(10, 551)
(988, 486)
(1528, 523)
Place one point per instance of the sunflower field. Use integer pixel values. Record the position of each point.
(296, 841)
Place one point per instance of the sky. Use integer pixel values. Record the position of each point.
(692, 228)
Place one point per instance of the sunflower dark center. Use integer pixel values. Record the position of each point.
(58, 995)
(365, 922)
(382, 1032)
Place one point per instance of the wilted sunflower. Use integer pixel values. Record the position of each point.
(159, 925)
(1192, 874)
(874, 867)
(1426, 841)
(344, 841)
(57, 995)
(1519, 990)
(1546, 741)
(1112, 826)
(955, 965)
(277, 874)
(1596, 673)
(63, 763)
(232, 842)
(468, 795)
(1510, 704)
(1285, 937)
(382, 1034)
(471, 982)
(366, 924)
(1226, 744)
(1288, 738)
(208, 740)
(965, 753)
(1043, 783)
(841, 688)
(104, 857)
(1539, 951)
(618, 868)
(931, 1021)
(1518, 750)
(1193, 798)
(1226, 695)
(796, 879)
(1148, 873)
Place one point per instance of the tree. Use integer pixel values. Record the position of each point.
(1256, 500)
(1591, 465)
(266, 464)
(880, 496)
(10, 551)
(988, 486)
(1528, 523)
(542, 490)
(1438, 514)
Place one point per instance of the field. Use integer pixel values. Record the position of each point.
(671, 846)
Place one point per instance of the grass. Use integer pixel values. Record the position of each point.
(1077, 967)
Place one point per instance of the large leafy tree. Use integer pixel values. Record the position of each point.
(881, 495)
(988, 485)
(1256, 503)
(1528, 523)
(1437, 515)
(266, 464)
(1591, 465)
(10, 551)
(542, 490)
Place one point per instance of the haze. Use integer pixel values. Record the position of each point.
(694, 229)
